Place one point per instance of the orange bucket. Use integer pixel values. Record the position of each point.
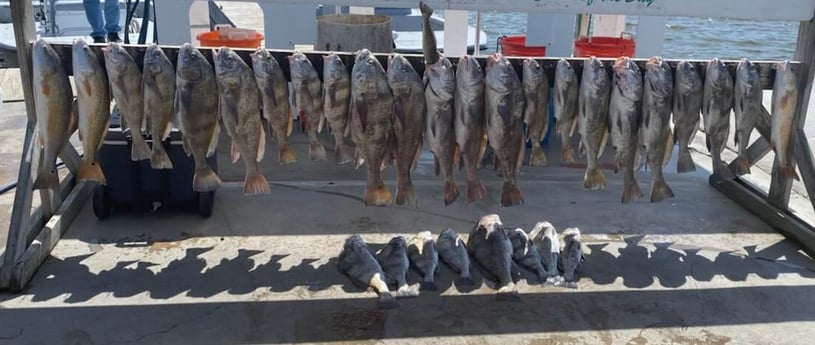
(227, 38)
(604, 47)
(516, 46)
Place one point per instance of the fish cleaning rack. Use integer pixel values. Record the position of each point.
(32, 235)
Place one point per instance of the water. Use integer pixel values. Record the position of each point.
(692, 38)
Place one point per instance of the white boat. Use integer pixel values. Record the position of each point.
(62, 23)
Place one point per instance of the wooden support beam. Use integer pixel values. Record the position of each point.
(755, 201)
(761, 147)
(766, 69)
(803, 155)
(56, 226)
(39, 217)
(21, 212)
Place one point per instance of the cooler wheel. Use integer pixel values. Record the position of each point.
(101, 202)
(206, 201)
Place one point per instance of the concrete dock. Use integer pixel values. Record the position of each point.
(696, 269)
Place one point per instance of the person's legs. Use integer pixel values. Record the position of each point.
(94, 14)
(112, 19)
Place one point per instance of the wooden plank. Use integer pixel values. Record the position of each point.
(780, 188)
(755, 201)
(56, 226)
(766, 68)
(806, 166)
(71, 158)
(791, 10)
(21, 212)
(761, 147)
(38, 217)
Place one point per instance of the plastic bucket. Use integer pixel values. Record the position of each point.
(608, 47)
(218, 39)
(516, 46)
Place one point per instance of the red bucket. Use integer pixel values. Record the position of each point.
(604, 47)
(516, 46)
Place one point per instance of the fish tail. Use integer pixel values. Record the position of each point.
(47, 178)
(450, 192)
(594, 179)
(139, 150)
(387, 300)
(378, 196)
(631, 190)
(475, 190)
(511, 195)
(684, 161)
(429, 285)
(91, 171)
(159, 158)
(316, 151)
(788, 172)
(567, 153)
(286, 155)
(660, 190)
(508, 293)
(254, 185)
(205, 179)
(537, 158)
(408, 291)
(465, 280)
(742, 165)
(345, 154)
(406, 193)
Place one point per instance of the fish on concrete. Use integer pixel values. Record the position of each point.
(274, 96)
(504, 97)
(453, 252)
(93, 103)
(395, 264)
(309, 103)
(784, 125)
(371, 123)
(358, 263)
(125, 79)
(56, 118)
(470, 123)
(571, 258)
(425, 259)
(545, 238)
(688, 87)
(525, 253)
(336, 103)
(239, 110)
(158, 84)
(536, 115)
(595, 93)
(489, 245)
(409, 108)
(565, 98)
(196, 105)
(716, 105)
(657, 136)
(625, 117)
(748, 97)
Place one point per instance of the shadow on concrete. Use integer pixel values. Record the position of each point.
(636, 265)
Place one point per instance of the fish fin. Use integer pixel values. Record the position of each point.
(205, 179)
(321, 124)
(457, 161)
(660, 190)
(254, 185)
(669, 145)
(91, 171)
(742, 166)
(234, 152)
(451, 192)
(603, 142)
(289, 123)
(567, 153)
(213, 143)
(406, 194)
(316, 151)
(186, 146)
(287, 155)
(399, 110)
(511, 195)
(519, 161)
(73, 123)
(475, 191)
(684, 161)
(261, 142)
(344, 154)
(47, 178)
(159, 158)
(631, 190)
(301, 117)
(594, 179)
(482, 147)
(788, 172)
(378, 196)
(573, 127)
(436, 164)
(416, 156)
(139, 150)
(537, 157)
(362, 111)
(167, 130)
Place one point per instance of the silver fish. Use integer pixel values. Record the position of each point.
(274, 95)
(687, 106)
(716, 105)
(440, 88)
(536, 115)
(93, 103)
(784, 122)
(408, 124)
(308, 100)
(158, 79)
(425, 258)
(336, 103)
(657, 102)
(565, 98)
(595, 91)
(625, 116)
(471, 135)
(125, 78)
(748, 97)
(358, 263)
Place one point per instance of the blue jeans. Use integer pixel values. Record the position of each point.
(110, 24)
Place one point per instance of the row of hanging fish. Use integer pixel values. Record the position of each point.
(497, 253)
(646, 112)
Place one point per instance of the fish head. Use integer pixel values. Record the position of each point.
(398, 242)
(44, 58)
(533, 72)
(301, 67)
(469, 70)
(658, 78)
(228, 66)
(400, 71)
(565, 72)
(687, 76)
(362, 55)
(191, 63)
(786, 76)
(442, 77)
(490, 222)
(570, 235)
(333, 67)
(115, 53)
(85, 59)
